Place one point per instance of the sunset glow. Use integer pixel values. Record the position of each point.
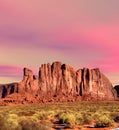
(82, 33)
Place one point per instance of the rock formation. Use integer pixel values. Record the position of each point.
(61, 79)
(7, 89)
(57, 79)
(61, 82)
(117, 90)
(29, 83)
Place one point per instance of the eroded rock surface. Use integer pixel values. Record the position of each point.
(61, 82)
(6, 89)
(57, 79)
(29, 83)
(61, 79)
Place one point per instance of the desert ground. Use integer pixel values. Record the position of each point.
(59, 116)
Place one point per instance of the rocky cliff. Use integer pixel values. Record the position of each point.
(117, 90)
(61, 79)
(6, 89)
(61, 82)
(29, 83)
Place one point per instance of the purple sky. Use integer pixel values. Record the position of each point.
(82, 33)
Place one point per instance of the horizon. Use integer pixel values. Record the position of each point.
(18, 78)
(80, 33)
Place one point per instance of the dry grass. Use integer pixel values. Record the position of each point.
(42, 116)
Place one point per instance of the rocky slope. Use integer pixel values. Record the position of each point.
(60, 82)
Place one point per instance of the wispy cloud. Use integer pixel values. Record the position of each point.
(10, 70)
(81, 33)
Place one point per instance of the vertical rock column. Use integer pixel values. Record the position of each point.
(50, 77)
(29, 83)
(68, 80)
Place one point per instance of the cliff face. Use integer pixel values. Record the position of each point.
(7, 89)
(61, 82)
(92, 84)
(57, 79)
(62, 79)
(29, 83)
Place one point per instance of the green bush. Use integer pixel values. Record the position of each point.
(104, 121)
(25, 112)
(87, 117)
(43, 115)
(29, 124)
(9, 122)
(68, 119)
(99, 113)
(79, 119)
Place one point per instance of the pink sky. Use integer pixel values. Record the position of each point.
(82, 33)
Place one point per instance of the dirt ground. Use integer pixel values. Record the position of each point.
(86, 127)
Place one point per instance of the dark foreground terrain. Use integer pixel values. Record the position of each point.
(77, 116)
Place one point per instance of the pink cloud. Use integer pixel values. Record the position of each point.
(13, 70)
(110, 64)
(98, 46)
(81, 33)
(10, 74)
(10, 70)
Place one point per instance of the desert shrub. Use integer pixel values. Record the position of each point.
(79, 119)
(99, 113)
(87, 118)
(42, 112)
(68, 119)
(103, 118)
(9, 122)
(29, 124)
(104, 121)
(25, 112)
(83, 118)
(43, 115)
(2, 117)
(51, 113)
(43, 125)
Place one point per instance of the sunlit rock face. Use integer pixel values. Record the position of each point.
(93, 85)
(61, 82)
(57, 79)
(29, 83)
(62, 79)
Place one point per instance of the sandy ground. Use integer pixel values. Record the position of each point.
(85, 127)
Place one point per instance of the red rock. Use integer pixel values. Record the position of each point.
(61, 79)
(94, 85)
(7, 89)
(29, 83)
(62, 83)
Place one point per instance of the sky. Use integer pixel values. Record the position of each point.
(82, 33)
